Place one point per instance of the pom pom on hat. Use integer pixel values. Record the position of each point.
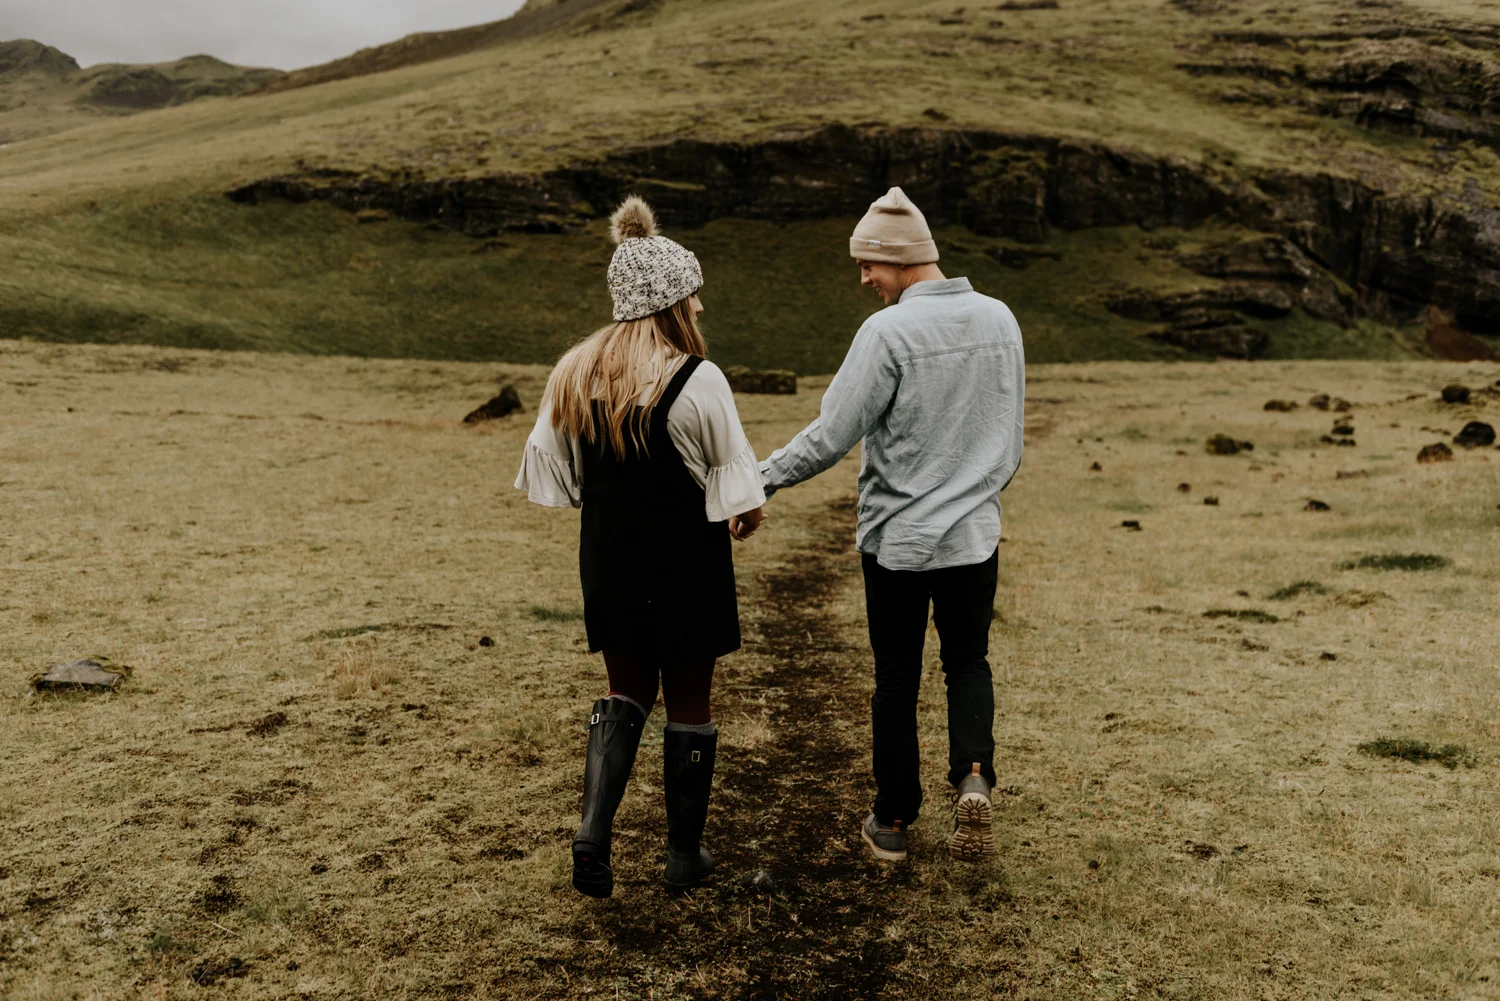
(649, 272)
(633, 220)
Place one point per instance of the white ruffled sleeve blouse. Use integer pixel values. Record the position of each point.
(704, 425)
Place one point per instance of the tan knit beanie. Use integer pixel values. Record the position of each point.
(894, 231)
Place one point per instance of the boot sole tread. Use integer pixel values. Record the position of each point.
(973, 838)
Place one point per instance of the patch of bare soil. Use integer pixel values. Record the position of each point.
(814, 924)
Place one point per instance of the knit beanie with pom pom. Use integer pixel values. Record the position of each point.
(649, 273)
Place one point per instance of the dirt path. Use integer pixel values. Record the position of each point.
(820, 930)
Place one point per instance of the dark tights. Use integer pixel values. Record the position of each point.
(684, 686)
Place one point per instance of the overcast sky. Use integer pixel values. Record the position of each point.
(285, 34)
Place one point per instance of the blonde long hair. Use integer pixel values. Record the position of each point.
(597, 386)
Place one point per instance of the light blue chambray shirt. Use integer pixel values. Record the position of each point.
(935, 385)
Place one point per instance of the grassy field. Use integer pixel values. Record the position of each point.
(311, 279)
(117, 231)
(319, 783)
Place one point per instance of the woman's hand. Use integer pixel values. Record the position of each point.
(742, 526)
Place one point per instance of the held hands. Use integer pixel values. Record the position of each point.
(742, 526)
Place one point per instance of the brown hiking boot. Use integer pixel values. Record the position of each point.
(972, 839)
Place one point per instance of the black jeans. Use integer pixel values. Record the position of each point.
(963, 603)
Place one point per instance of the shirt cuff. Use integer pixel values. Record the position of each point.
(548, 480)
(765, 479)
(734, 488)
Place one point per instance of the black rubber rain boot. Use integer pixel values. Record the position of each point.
(614, 736)
(687, 778)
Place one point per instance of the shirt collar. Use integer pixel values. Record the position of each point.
(947, 286)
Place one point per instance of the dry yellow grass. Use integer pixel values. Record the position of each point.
(318, 784)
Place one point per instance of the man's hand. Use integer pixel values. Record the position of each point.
(742, 526)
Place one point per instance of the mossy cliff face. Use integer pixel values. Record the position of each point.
(1400, 253)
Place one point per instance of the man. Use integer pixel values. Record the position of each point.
(935, 387)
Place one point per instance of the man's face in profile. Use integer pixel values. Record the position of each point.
(888, 280)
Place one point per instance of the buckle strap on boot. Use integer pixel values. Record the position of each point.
(614, 737)
(688, 757)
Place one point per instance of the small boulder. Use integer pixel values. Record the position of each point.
(1351, 474)
(1435, 453)
(98, 674)
(766, 882)
(1223, 444)
(776, 382)
(1132, 525)
(1320, 402)
(1475, 434)
(1341, 405)
(1211, 501)
(1343, 428)
(1281, 406)
(1184, 488)
(1096, 468)
(1317, 505)
(507, 403)
(1455, 394)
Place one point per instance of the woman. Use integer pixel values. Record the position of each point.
(639, 430)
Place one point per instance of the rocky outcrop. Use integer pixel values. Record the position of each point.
(507, 402)
(1418, 84)
(1281, 264)
(26, 56)
(1398, 253)
(1208, 321)
(776, 382)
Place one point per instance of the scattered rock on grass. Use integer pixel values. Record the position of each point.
(1435, 453)
(1351, 474)
(1281, 406)
(1455, 394)
(507, 403)
(1317, 505)
(1343, 428)
(776, 382)
(1223, 444)
(1096, 468)
(1328, 656)
(767, 882)
(1134, 526)
(1475, 434)
(1320, 402)
(1184, 488)
(1211, 501)
(98, 674)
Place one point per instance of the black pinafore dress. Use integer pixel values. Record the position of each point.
(658, 577)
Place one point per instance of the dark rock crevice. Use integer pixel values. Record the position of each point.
(1400, 253)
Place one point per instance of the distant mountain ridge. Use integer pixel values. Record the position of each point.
(534, 18)
(44, 90)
